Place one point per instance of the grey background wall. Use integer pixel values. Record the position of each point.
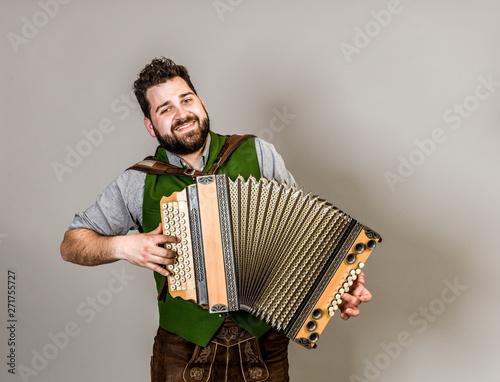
(388, 108)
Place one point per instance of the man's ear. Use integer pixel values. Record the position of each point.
(149, 127)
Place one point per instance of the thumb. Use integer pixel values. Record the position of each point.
(157, 230)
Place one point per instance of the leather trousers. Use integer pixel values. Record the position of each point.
(233, 355)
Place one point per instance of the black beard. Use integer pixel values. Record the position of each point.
(190, 143)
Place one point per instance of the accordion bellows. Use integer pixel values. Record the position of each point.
(266, 248)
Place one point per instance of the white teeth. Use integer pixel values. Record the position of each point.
(184, 126)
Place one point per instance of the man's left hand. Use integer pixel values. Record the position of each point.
(356, 295)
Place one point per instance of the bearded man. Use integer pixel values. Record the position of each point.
(191, 344)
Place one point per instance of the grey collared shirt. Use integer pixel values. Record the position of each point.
(179, 162)
(119, 208)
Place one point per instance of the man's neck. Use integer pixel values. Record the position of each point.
(194, 159)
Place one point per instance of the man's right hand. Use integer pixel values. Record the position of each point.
(86, 247)
(143, 249)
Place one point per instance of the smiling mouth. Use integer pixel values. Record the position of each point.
(185, 126)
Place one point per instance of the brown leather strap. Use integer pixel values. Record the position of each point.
(231, 144)
(158, 167)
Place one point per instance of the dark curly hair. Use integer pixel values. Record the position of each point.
(158, 71)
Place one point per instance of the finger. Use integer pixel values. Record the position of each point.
(365, 295)
(164, 239)
(349, 311)
(155, 267)
(361, 278)
(351, 299)
(162, 256)
(157, 230)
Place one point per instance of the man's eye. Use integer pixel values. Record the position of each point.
(166, 110)
(186, 100)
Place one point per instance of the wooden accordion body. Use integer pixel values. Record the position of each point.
(269, 249)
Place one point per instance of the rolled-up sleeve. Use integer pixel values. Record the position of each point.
(118, 209)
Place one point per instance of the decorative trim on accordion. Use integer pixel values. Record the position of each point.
(198, 256)
(218, 308)
(227, 243)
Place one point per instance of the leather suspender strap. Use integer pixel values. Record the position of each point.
(158, 167)
(231, 144)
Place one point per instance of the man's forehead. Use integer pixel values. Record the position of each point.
(170, 89)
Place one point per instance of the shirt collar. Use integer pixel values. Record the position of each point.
(177, 161)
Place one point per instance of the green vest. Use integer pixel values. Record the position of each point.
(179, 316)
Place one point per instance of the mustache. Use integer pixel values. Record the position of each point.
(186, 120)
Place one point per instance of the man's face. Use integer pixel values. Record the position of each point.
(178, 117)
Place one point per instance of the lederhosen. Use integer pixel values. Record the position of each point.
(192, 344)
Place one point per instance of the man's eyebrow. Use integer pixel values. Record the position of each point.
(168, 102)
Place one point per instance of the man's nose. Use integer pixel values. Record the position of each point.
(181, 113)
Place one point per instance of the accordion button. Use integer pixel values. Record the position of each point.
(359, 248)
(311, 326)
(182, 214)
(317, 313)
(184, 248)
(184, 234)
(177, 283)
(345, 285)
(361, 265)
(346, 289)
(187, 269)
(164, 205)
(183, 279)
(184, 241)
(177, 277)
(188, 275)
(341, 291)
(337, 296)
(170, 267)
(172, 287)
(358, 271)
(339, 301)
(352, 272)
(170, 209)
(177, 225)
(176, 269)
(176, 212)
(186, 262)
(182, 221)
(181, 266)
(181, 272)
(354, 277)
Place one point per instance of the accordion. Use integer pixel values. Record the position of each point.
(284, 256)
